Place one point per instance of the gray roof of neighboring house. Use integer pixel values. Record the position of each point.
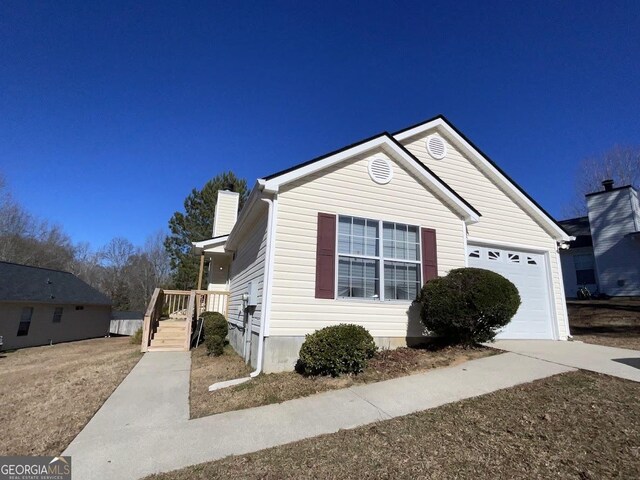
(22, 283)
(580, 228)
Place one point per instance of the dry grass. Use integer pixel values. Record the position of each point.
(279, 387)
(574, 426)
(614, 322)
(49, 393)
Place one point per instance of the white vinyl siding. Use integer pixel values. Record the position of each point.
(612, 218)
(226, 212)
(346, 189)
(248, 266)
(503, 220)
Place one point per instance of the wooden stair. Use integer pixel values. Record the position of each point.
(171, 336)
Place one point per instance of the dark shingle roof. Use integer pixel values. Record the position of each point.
(579, 228)
(22, 283)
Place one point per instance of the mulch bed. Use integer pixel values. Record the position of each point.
(279, 387)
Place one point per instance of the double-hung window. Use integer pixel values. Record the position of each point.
(372, 253)
(25, 321)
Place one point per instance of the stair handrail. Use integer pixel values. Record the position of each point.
(151, 318)
(191, 310)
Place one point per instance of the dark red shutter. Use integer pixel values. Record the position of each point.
(326, 256)
(429, 255)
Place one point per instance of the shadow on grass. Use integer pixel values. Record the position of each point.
(609, 330)
(605, 306)
(632, 362)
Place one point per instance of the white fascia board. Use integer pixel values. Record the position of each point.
(273, 185)
(201, 246)
(527, 204)
(444, 193)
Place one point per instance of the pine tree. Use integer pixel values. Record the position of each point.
(196, 224)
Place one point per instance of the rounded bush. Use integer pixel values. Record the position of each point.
(215, 345)
(335, 350)
(215, 329)
(468, 306)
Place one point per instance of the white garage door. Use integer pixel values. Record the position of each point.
(527, 272)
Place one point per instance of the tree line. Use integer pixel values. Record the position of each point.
(124, 272)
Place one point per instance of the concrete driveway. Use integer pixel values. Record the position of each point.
(618, 362)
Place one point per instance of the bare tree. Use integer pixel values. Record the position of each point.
(147, 269)
(620, 164)
(30, 241)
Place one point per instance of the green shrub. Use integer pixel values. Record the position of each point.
(336, 350)
(469, 305)
(136, 338)
(215, 332)
(215, 345)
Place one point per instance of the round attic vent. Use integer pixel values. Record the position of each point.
(380, 170)
(436, 147)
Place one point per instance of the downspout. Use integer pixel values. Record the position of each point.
(266, 286)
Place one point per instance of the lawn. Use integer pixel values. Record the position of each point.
(49, 393)
(577, 425)
(614, 322)
(279, 387)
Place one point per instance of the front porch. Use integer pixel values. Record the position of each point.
(170, 320)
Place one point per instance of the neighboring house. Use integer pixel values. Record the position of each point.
(353, 235)
(39, 306)
(605, 256)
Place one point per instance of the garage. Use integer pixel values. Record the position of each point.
(528, 273)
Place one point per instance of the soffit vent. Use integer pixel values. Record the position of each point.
(436, 147)
(380, 170)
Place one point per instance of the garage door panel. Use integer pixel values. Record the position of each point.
(526, 271)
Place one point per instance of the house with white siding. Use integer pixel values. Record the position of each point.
(351, 236)
(605, 255)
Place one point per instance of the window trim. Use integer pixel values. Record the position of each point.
(26, 333)
(380, 259)
(57, 315)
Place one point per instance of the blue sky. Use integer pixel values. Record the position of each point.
(111, 112)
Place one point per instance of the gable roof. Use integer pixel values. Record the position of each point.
(525, 201)
(394, 149)
(22, 283)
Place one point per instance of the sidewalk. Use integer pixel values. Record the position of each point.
(143, 428)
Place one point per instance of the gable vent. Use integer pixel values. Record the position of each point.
(436, 147)
(380, 170)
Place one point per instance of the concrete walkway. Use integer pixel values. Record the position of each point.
(618, 362)
(143, 427)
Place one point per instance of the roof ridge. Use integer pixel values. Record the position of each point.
(39, 268)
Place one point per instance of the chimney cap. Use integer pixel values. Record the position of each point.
(230, 187)
(607, 184)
